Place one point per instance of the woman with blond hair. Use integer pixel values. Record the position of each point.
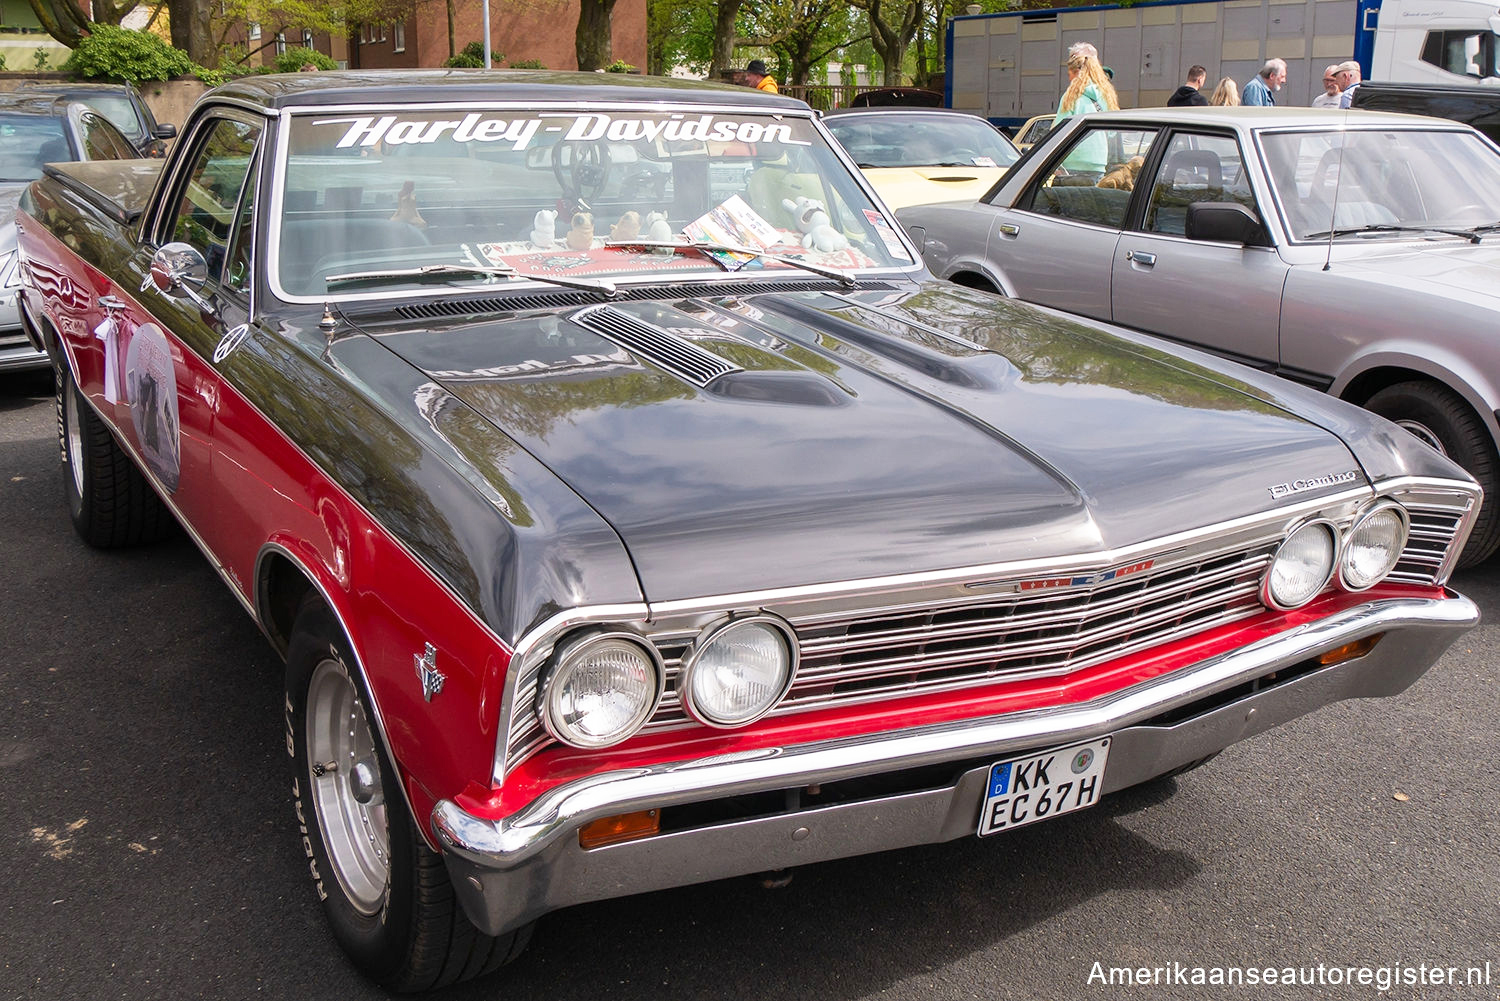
(1089, 90)
(1226, 93)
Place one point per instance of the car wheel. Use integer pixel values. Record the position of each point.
(385, 893)
(1441, 419)
(109, 500)
(971, 279)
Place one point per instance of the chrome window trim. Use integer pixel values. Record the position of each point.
(283, 152)
(684, 618)
(712, 632)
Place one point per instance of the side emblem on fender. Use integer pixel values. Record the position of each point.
(432, 680)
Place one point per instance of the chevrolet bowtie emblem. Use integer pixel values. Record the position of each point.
(432, 680)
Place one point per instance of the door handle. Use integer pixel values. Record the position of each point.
(1009, 229)
(1140, 257)
(110, 302)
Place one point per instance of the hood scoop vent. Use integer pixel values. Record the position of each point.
(682, 358)
(561, 300)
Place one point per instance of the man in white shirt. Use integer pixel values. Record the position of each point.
(1331, 92)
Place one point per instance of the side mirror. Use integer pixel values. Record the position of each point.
(1225, 222)
(164, 130)
(179, 271)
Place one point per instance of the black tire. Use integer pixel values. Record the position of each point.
(404, 927)
(109, 500)
(1440, 417)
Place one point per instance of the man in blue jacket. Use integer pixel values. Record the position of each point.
(1261, 91)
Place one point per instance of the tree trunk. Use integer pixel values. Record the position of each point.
(592, 41)
(725, 12)
(192, 30)
(451, 50)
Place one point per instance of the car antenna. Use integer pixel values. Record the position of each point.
(1338, 182)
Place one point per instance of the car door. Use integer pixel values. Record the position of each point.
(1056, 244)
(172, 352)
(1221, 296)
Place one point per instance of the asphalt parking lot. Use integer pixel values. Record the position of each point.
(150, 848)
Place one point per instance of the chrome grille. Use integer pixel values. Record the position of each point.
(986, 638)
(1432, 532)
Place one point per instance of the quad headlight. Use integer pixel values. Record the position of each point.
(738, 671)
(1302, 566)
(1374, 546)
(601, 689)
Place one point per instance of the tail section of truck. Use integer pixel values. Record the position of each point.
(1009, 67)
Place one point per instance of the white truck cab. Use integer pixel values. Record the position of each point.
(1454, 42)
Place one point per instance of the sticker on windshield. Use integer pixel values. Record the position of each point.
(477, 127)
(887, 234)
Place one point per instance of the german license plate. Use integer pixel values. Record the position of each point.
(1039, 786)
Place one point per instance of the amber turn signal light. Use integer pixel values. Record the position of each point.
(1349, 650)
(622, 827)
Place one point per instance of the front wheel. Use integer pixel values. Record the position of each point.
(385, 893)
(1440, 419)
(109, 500)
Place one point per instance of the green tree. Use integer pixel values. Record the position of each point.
(893, 25)
(804, 32)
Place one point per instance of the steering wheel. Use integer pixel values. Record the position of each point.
(585, 175)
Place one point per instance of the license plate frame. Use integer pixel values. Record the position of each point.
(1042, 785)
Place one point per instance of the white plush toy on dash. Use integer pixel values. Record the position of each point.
(812, 220)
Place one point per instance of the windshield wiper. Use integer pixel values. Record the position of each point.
(709, 249)
(439, 270)
(1385, 227)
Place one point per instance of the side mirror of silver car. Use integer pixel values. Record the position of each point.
(179, 271)
(1225, 222)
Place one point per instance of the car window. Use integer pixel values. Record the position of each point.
(102, 141)
(1196, 168)
(1093, 180)
(207, 213)
(29, 141)
(1037, 131)
(120, 112)
(935, 140)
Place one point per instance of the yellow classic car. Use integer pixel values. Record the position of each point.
(916, 156)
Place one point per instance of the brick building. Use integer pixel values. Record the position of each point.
(520, 30)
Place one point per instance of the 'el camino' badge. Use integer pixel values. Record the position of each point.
(432, 681)
(1281, 490)
(1040, 583)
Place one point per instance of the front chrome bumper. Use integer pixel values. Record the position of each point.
(508, 872)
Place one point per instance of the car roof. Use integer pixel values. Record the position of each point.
(74, 87)
(41, 105)
(355, 87)
(889, 110)
(1267, 118)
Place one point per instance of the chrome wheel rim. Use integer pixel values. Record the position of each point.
(346, 787)
(1424, 434)
(74, 431)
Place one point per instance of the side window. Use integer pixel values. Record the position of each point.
(1467, 53)
(1196, 168)
(102, 141)
(209, 211)
(1093, 180)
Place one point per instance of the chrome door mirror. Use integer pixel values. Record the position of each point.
(179, 271)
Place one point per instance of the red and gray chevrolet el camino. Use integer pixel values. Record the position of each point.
(632, 509)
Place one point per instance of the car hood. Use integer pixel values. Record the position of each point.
(850, 436)
(900, 187)
(1459, 270)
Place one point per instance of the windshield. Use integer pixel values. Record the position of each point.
(27, 142)
(905, 140)
(546, 193)
(1374, 184)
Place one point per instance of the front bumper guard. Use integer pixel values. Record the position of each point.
(511, 871)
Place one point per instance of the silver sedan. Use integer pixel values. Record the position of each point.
(1355, 252)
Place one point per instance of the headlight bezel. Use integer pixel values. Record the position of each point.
(1382, 504)
(693, 658)
(566, 654)
(1267, 595)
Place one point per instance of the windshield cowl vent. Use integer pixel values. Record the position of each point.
(522, 301)
(656, 344)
